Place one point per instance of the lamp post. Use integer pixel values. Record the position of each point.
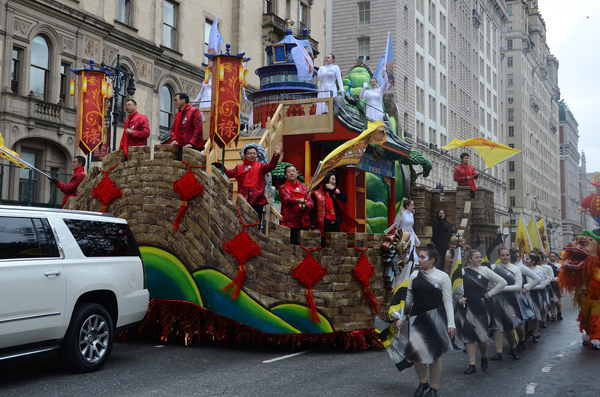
(119, 78)
(511, 216)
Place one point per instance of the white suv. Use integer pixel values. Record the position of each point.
(69, 280)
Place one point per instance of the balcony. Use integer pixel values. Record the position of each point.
(476, 18)
(273, 27)
(534, 102)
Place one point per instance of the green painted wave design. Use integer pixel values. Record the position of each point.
(298, 316)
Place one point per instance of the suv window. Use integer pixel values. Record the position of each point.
(98, 239)
(26, 238)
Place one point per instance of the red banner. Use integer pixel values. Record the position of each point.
(227, 97)
(90, 111)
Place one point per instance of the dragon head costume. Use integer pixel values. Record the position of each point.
(580, 275)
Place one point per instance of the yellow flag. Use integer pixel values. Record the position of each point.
(522, 242)
(541, 225)
(534, 234)
(491, 152)
(8, 154)
(351, 151)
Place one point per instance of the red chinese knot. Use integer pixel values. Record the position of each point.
(310, 272)
(106, 191)
(363, 272)
(187, 187)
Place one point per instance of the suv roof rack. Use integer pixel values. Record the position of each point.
(56, 210)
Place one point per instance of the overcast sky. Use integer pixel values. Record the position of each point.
(573, 35)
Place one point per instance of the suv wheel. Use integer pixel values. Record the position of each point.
(88, 341)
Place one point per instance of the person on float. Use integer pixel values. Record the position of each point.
(204, 96)
(530, 280)
(465, 174)
(405, 220)
(325, 215)
(556, 307)
(473, 314)
(250, 175)
(538, 294)
(431, 322)
(329, 75)
(442, 231)
(374, 97)
(507, 312)
(187, 125)
(294, 206)
(70, 189)
(549, 292)
(137, 128)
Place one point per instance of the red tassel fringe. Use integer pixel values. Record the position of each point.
(371, 299)
(238, 281)
(312, 308)
(180, 215)
(191, 323)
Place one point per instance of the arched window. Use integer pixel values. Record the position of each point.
(166, 112)
(40, 68)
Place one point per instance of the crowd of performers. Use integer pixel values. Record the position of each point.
(509, 299)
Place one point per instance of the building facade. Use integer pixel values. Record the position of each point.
(570, 193)
(532, 115)
(449, 74)
(162, 42)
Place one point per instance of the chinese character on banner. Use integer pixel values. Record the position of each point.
(90, 110)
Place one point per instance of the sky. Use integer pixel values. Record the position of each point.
(573, 35)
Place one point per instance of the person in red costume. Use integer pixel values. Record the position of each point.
(465, 174)
(250, 176)
(70, 189)
(591, 203)
(294, 206)
(137, 128)
(187, 126)
(326, 213)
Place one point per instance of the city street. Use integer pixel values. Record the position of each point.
(557, 366)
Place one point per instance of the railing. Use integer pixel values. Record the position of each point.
(272, 135)
(32, 188)
(47, 110)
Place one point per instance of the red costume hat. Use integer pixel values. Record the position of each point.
(596, 180)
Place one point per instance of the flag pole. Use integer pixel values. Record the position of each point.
(313, 179)
(24, 162)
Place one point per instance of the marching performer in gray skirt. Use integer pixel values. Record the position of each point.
(530, 280)
(538, 294)
(556, 307)
(429, 299)
(507, 306)
(474, 310)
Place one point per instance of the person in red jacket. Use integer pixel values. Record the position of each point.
(187, 126)
(294, 206)
(250, 176)
(70, 190)
(137, 128)
(465, 173)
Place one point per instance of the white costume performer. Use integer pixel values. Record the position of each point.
(204, 97)
(329, 75)
(405, 221)
(374, 96)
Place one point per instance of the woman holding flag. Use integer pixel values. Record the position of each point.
(429, 299)
(329, 75)
(374, 97)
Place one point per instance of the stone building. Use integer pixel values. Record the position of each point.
(532, 114)
(162, 42)
(449, 74)
(569, 174)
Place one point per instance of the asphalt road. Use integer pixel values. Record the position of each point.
(557, 366)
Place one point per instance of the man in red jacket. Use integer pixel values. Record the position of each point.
(137, 128)
(187, 126)
(465, 173)
(70, 190)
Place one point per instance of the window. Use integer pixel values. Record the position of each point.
(364, 13)
(511, 145)
(512, 201)
(432, 107)
(15, 71)
(123, 97)
(40, 62)
(207, 27)
(26, 238)
(510, 96)
(509, 44)
(64, 81)
(364, 48)
(431, 15)
(28, 179)
(269, 7)
(170, 25)
(511, 115)
(511, 131)
(166, 112)
(103, 239)
(511, 184)
(509, 62)
(303, 16)
(125, 11)
(405, 88)
(509, 26)
(432, 44)
(510, 79)
(509, 9)
(432, 76)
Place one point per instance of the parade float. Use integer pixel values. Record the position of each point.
(211, 273)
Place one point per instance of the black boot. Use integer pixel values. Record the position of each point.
(402, 365)
(521, 346)
(559, 316)
(470, 370)
(420, 392)
(484, 364)
(544, 325)
(496, 357)
(536, 339)
(514, 354)
(431, 393)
